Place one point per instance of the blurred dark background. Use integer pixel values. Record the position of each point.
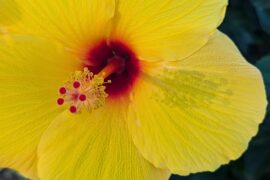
(248, 24)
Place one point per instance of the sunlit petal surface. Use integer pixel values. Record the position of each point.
(30, 72)
(96, 146)
(76, 24)
(198, 113)
(167, 29)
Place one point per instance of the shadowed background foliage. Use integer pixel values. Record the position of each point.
(248, 24)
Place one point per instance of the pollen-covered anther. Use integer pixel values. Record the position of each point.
(84, 91)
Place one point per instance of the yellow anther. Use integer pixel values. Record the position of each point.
(84, 90)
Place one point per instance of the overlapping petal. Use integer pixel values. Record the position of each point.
(186, 116)
(157, 30)
(167, 29)
(196, 114)
(93, 146)
(31, 70)
(74, 23)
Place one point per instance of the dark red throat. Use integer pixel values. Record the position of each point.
(124, 78)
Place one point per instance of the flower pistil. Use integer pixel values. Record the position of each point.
(86, 90)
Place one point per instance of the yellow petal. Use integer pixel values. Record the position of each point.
(167, 29)
(31, 71)
(9, 12)
(93, 146)
(196, 114)
(74, 23)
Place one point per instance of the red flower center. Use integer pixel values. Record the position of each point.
(109, 71)
(124, 77)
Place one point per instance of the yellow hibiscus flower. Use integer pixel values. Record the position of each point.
(122, 89)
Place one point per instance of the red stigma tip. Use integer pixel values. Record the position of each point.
(82, 97)
(62, 90)
(73, 109)
(76, 84)
(60, 101)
